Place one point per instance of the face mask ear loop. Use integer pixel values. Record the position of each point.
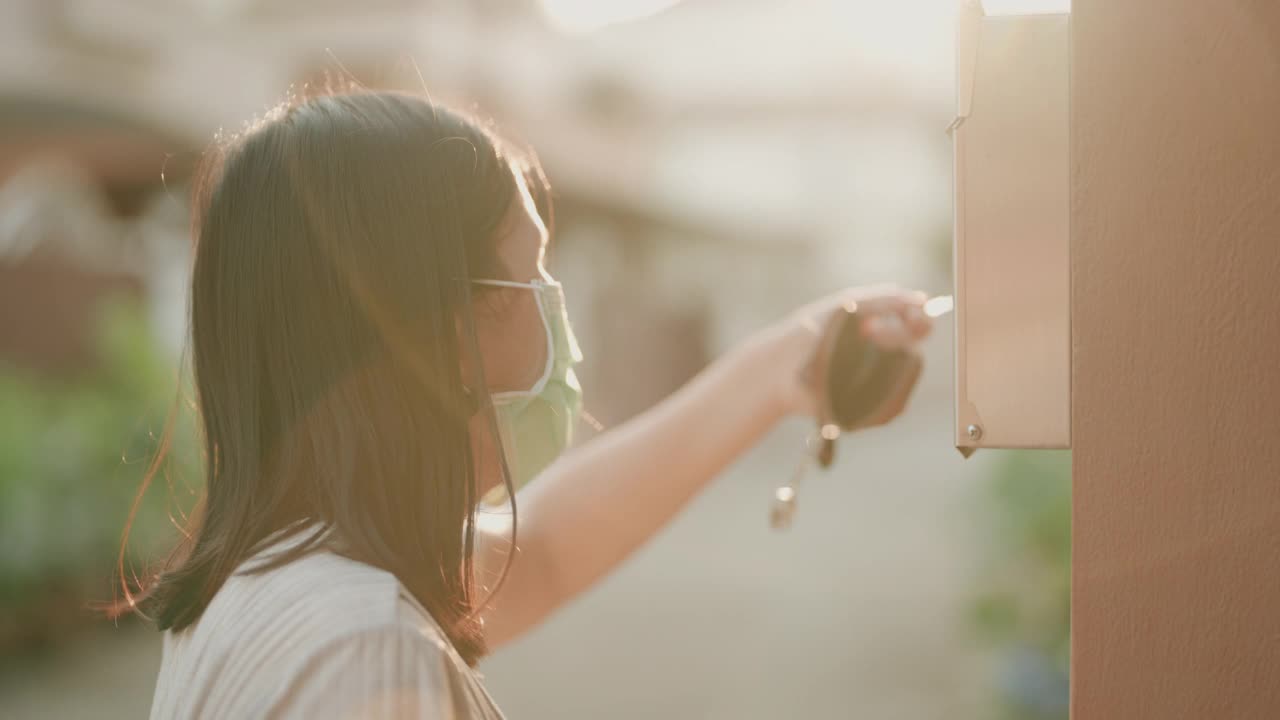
(483, 400)
(538, 288)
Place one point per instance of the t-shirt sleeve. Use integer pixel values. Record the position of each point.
(390, 672)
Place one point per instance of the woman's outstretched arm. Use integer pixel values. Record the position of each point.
(600, 501)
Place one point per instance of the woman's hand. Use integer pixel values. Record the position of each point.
(893, 318)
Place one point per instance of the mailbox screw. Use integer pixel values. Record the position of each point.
(975, 432)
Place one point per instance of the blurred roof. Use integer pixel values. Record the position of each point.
(126, 154)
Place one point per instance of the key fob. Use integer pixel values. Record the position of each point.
(864, 383)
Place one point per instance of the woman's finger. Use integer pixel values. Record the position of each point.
(882, 299)
(919, 324)
(888, 330)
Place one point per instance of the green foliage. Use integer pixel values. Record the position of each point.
(1026, 608)
(73, 451)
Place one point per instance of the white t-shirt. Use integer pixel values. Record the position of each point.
(321, 637)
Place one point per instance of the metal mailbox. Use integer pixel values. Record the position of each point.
(1013, 324)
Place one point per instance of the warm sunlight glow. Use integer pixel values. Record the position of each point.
(1026, 7)
(586, 15)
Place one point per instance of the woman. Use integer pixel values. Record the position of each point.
(376, 344)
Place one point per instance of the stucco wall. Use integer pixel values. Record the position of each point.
(1176, 370)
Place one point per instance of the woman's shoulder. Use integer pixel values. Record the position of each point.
(299, 628)
(320, 595)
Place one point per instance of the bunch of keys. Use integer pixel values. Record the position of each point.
(817, 450)
(865, 386)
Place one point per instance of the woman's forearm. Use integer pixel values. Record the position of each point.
(599, 502)
(590, 509)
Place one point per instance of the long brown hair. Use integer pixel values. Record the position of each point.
(334, 243)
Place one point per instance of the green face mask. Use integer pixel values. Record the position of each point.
(536, 425)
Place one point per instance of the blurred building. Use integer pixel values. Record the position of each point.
(715, 163)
